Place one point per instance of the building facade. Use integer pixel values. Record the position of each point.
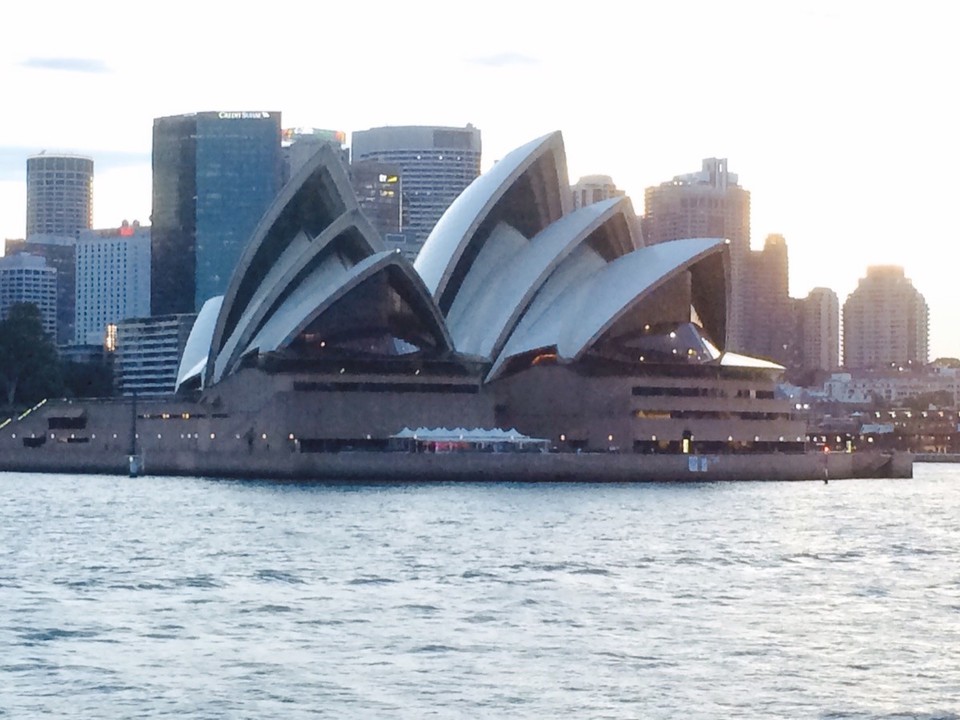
(436, 165)
(770, 328)
(819, 324)
(518, 313)
(893, 387)
(214, 174)
(378, 188)
(594, 188)
(59, 194)
(329, 353)
(300, 144)
(60, 253)
(885, 321)
(709, 203)
(148, 352)
(28, 279)
(113, 279)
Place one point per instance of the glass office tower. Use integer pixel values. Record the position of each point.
(214, 175)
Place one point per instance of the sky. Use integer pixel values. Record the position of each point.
(840, 118)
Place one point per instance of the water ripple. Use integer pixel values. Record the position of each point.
(184, 597)
(279, 576)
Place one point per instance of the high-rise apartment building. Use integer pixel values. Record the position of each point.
(884, 321)
(113, 279)
(28, 279)
(60, 253)
(819, 323)
(59, 194)
(214, 175)
(436, 165)
(769, 319)
(709, 203)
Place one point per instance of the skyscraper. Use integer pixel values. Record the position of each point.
(820, 330)
(769, 319)
(113, 279)
(59, 194)
(436, 165)
(214, 174)
(708, 204)
(884, 321)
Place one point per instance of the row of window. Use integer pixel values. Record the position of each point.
(648, 391)
(708, 415)
(380, 387)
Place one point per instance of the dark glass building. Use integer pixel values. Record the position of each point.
(377, 186)
(214, 174)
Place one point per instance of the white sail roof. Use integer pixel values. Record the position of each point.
(592, 295)
(194, 359)
(317, 294)
(509, 271)
(543, 163)
(315, 198)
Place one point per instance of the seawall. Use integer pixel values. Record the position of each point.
(937, 457)
(467, 466)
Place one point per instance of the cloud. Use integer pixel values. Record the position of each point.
(66, 64)
(504, 59)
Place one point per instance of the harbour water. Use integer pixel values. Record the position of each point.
(202, 598)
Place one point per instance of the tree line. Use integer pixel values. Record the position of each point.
(31, 369)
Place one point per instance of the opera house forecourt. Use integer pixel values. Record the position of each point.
(529, 341)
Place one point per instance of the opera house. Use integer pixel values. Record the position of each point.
(529, 341)
(518, 313)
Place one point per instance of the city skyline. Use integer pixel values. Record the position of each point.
(835, 119)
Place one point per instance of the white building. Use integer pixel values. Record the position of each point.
(28, 279)
(892, 388)
(148, 353)
(113, 279)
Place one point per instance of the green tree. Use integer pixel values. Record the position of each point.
(29, 367)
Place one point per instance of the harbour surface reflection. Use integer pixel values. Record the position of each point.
(214, 599)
